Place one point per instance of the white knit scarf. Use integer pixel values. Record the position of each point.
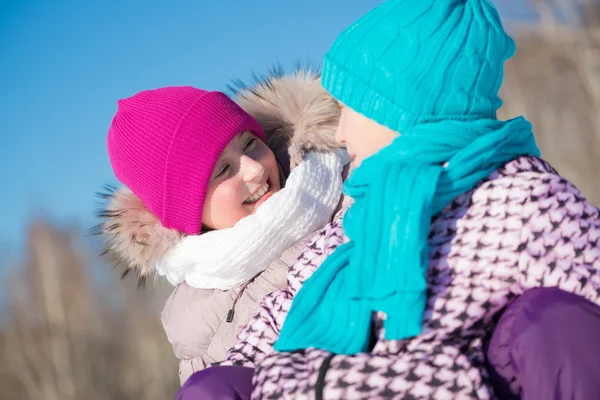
(226, 258)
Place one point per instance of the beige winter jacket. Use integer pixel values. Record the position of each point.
(196, 320)
(297, 115)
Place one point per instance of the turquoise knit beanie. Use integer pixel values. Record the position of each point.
(412, 61)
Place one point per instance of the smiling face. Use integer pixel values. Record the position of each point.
(362, 136)
(243, 178)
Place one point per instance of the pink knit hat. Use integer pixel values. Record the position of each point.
(163, 145)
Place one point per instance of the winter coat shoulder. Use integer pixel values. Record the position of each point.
(524, 226)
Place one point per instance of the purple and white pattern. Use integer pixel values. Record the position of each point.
(523, 227)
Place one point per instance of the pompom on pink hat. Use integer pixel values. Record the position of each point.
(164, 143)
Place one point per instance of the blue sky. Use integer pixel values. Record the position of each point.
(64, 64)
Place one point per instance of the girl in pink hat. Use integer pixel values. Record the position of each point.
(219, 200)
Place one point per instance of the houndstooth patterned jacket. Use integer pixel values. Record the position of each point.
(523, 227)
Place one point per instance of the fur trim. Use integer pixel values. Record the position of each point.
(297, 115)
(295, 112)
(133, 235)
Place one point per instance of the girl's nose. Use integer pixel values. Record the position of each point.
(252, 170)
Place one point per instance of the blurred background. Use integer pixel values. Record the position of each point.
(69, 328)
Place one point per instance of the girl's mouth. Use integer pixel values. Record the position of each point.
(259, 194)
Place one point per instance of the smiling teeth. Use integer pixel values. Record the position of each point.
(258, 195)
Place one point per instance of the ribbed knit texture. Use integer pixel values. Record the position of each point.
(226, 258)
(408, 62)
(164, 143)
(430, 70)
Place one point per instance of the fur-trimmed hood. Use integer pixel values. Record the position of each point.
(297, 115)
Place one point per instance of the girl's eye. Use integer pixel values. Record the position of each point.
(222, 171)
(250, 144)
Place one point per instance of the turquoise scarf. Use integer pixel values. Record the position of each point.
(383, 267)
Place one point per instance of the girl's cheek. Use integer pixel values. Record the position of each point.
(228, 195)
(225, 209)
(339, 132)
(267, 157)
(261, 153)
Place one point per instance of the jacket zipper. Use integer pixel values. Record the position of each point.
(231, 312)
(320, 385)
